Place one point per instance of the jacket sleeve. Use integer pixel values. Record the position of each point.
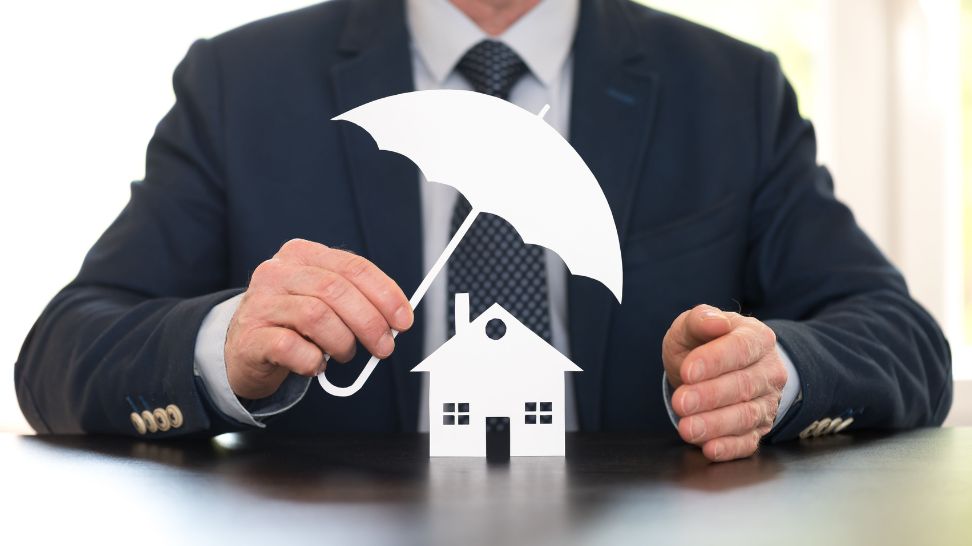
(864, 349)
(121, 335)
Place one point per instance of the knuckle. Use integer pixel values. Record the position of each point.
(767, 335)
(759, 415)
(356, 266)
(331, 287)
(374, 326)
(754, 345)
(763, 384)
(700, 308)
(745, 386)
(313, 311)
(265, 272)
(752, 415)
(282, 345)
(251, 298)
(668, 342)
(672, 354)
(742, 345)
(748, 321)
(735, 318)
(293, 247)
(679, 322)
(246, 318)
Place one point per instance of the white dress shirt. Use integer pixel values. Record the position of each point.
(441, 35)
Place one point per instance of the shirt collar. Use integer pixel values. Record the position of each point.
(441, 34)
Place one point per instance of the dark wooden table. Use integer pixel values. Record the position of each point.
(907, 488)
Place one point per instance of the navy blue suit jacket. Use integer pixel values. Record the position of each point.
(696, 139)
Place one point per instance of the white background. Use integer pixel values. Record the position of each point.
(82, 85)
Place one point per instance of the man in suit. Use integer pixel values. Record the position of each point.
(265, 237)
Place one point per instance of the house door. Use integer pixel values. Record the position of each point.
(498, 438)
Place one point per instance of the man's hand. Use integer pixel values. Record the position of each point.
(728, 377)
(306, 301)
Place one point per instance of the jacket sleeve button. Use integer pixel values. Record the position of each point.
(821, 427)
(161, 419)
(847, 422)
(833, 425)
(149, 420)
(175, 415)
(807, 432)
(138, 423)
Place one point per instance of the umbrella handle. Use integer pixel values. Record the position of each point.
(333, 389)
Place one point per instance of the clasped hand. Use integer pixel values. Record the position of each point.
(728, 377)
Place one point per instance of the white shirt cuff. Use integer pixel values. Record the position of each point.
(791, 390)
(210, 366)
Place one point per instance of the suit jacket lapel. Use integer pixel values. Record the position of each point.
(385, 185)
(613, 101)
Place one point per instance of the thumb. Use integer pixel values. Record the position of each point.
(693, 328)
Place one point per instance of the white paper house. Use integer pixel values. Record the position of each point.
(474, 378)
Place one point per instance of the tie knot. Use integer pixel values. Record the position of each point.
(491, 67)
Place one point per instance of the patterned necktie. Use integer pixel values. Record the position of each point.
(491, 263)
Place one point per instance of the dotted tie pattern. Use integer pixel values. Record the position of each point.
(491, 262)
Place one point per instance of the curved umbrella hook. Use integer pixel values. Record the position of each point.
(333, 389)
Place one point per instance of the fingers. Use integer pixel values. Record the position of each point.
(372, 282)
(264, 357)
(689, 330)
(314, 320)
(339, 296)
(699, 325)
(732, 447)
(284, 348)
(306, 301)
(365, 300)
(757, 380)
(745, 344)
(728, 380)
(734, 420)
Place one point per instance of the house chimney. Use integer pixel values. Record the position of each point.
(462, 312)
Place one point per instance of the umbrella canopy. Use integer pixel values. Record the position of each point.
(505, 161)
(508, 162)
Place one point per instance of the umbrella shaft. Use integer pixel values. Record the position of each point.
(333, 389)
(443, 258)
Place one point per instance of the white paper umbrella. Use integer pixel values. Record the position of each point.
(506, 161)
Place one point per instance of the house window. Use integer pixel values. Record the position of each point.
(538, 412)
(455, 413)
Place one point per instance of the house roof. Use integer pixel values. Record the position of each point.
(516, 332)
